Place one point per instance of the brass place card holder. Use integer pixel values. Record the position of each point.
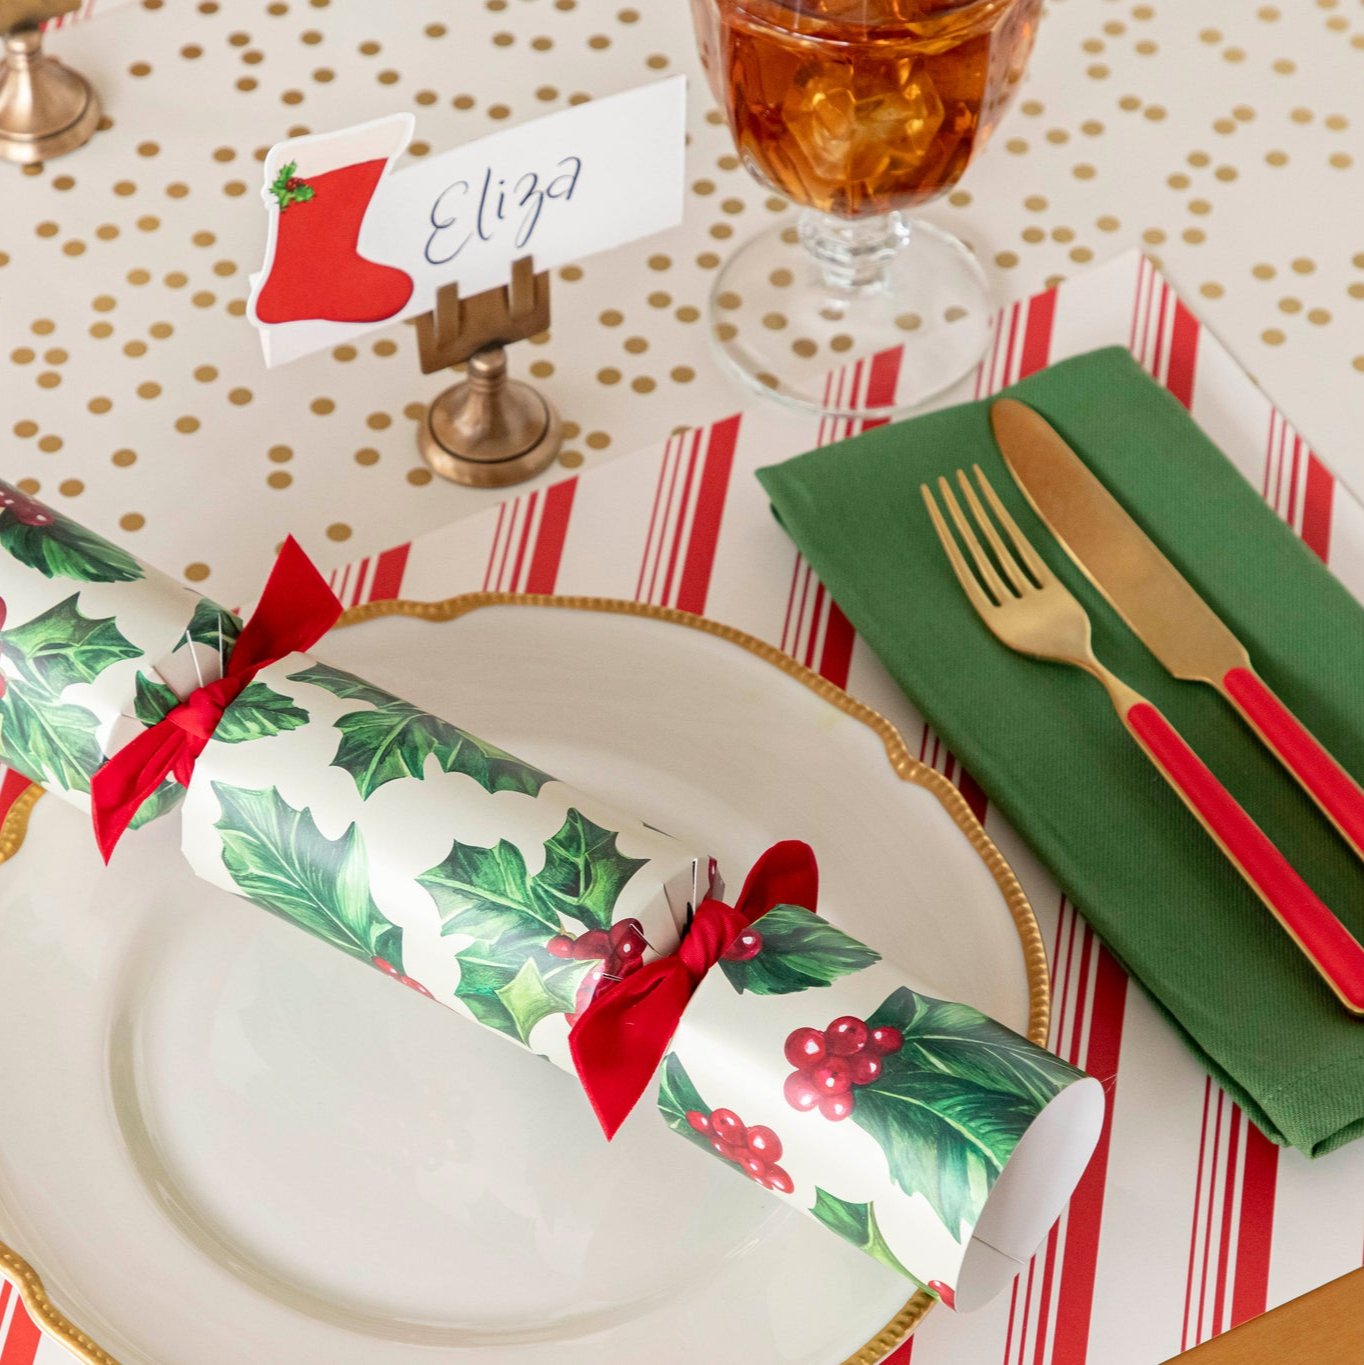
(46, 109)
(489, 431)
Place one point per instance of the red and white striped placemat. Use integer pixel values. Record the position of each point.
(1188, 1221)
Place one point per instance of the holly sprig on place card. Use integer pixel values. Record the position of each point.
(288, 188)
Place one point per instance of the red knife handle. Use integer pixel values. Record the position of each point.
(1330, 947)
(1333, 789)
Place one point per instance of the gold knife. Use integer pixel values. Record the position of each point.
(1160, 605)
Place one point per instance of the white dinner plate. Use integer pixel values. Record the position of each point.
(221, 1141)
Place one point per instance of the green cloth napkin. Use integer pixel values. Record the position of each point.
(1048, 749)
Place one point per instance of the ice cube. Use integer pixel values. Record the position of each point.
(851, 122)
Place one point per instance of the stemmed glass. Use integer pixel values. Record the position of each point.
(858, 111)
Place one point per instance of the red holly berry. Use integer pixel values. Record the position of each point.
(800, 1093)
(752, 1165)
(594, 943)
(560, 946)
(805, 1048)
(866, 1067)
(836, 1108)
(387, 967)
(744, 948)
(885, 1040)
(24, 509)
(699, 1121)
(727, 1126)
(627, 942)
(729, 1150)
(833, 1076)
(414, 985)
(944, 1291)
(763, 1142)
(778, 1180)
(846, 1036)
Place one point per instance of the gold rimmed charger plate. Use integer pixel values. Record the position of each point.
(905, 765)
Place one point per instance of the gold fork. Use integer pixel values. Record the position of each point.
(1029, 609)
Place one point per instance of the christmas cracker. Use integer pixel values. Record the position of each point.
(933, 1138)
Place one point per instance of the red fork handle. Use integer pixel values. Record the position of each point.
(1330, 786)
(1329, 946)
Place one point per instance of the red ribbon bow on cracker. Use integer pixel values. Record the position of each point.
(620, 1038)
(295, 611)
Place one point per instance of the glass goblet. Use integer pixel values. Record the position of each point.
(858, 111)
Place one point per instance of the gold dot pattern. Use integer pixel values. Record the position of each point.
(1228, 147)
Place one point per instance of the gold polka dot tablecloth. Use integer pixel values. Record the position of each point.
(1224, 138)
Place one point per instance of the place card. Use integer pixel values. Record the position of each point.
(355, 244)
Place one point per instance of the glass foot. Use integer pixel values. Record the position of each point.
(803, 300)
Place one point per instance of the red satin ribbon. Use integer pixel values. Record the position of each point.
(620, 1038)
(296, 610)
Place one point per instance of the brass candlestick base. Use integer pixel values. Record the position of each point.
(46, 109)
(489, 431)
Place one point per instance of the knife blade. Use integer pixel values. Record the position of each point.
(1160, 606)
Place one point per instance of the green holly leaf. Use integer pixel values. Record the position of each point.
(955, 1039)
(214, 626)
(258, 713)
(511, 984)
(487, 893)
(528, 998)
(47, 740)
(153, 700)
(584, 872)
(951, 1104)
(163, 800)
(285, 193)
(61, 548)
(280, 859)
(678, 1097)
(62, 647)
(342, 684)
(799, 951)
(856, 1223)
(395, 739)
(943, 1137)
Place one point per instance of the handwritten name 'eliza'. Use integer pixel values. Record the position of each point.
(464, 212)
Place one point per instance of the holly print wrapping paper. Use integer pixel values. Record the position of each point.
(435, 856)
(933, 1138)
(81, 622)
(395, 836)
(937, 1140)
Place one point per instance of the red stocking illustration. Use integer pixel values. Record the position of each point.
(316, 272)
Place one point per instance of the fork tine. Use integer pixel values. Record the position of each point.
(1008, 563)
(994, 584)
(1036, 565)
(965, 577)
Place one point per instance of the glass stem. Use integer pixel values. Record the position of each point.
(853, 254)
